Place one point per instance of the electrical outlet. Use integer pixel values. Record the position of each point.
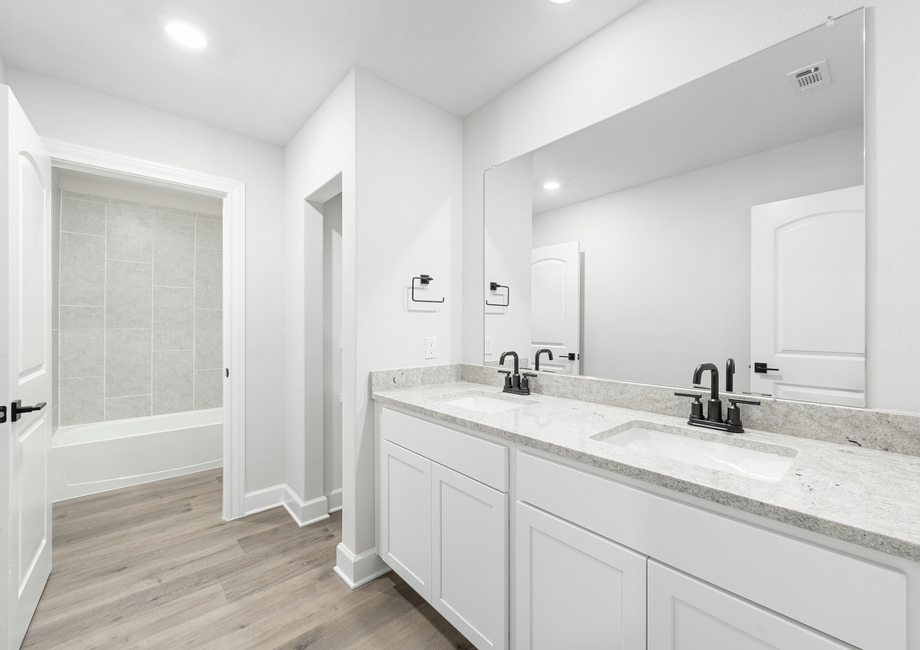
(489, 344)
(431, 348)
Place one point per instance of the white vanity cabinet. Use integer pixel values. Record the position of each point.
(688, 614)
(602, 561)
(575, 589)
(406, 494)
(442, 521)
(716, 582)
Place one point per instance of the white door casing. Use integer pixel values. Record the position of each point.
(555, 276)
(25, 355)
(808, 297)
(233, 193)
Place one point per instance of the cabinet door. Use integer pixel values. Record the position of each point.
(470, 557)
(575, 589)
(687, 614)
(405, 515)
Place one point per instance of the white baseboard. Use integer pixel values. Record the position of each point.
(334, 500)
(264, 499)
(304, 513)
(357, 570)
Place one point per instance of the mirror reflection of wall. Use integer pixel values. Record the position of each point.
(660, 199)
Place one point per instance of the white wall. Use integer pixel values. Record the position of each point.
(509, 197)
(321, 151)
(664, 43)
(70, 113)
(409, 161)
(2, 72)
(667, 265)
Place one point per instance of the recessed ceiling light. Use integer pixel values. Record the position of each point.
(560, 2)
(187, 34)
(552, 185)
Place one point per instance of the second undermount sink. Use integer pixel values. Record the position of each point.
(483, 404)
(741, 461)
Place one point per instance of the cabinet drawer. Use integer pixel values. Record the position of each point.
(859, 602)
(686, 613)
(479, 459)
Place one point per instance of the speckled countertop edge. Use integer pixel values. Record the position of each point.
(863, 496)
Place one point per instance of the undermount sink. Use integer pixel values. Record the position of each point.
(483, 404)
(740, 461)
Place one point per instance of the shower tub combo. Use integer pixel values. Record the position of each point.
(90, 458)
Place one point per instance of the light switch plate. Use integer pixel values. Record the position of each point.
(489, 344)
(431, 348)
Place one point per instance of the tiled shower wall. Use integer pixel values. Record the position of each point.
(139, 322)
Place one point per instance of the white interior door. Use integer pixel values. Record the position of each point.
(808, 297)
(25, 220)
(555, 323)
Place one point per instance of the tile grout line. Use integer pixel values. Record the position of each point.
(153, 252)
(194, 309)
(105, 296)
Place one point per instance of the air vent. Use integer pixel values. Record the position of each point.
(813, 76)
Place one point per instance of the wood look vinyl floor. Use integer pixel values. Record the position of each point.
(154, 567)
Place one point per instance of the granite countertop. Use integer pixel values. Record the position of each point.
(867, 497)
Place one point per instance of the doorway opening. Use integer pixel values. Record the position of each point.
(332, 352)
(326, 204)
(137, 351)
(220, 389)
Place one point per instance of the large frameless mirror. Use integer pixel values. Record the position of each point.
(722, 220)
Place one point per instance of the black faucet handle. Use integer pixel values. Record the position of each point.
(734, 412)
(529, 374)
(696, 408)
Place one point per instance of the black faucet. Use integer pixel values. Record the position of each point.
(730, 375)
(713, 419)
(536, 358)
(714, 412)
(515, 383)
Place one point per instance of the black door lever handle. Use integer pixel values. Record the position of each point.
(17, 409)
(762, 367)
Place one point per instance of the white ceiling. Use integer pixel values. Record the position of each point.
(742, 109)
(270, 63)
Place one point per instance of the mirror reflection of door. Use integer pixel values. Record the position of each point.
(808, 297)
(555, 322)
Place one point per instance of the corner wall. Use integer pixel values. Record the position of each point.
(400, 163)
(322, 150)
(633, 59)
(77, 115)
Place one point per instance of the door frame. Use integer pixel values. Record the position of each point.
(233, 194)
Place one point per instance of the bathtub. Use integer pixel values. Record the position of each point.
(90, 458)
